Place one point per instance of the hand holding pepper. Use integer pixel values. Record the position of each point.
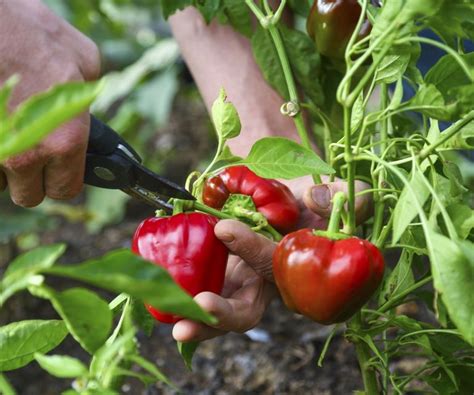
(249, 284)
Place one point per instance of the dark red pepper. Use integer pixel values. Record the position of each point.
(323, 279)
(331, 24)
(186, 246)
(271, 198)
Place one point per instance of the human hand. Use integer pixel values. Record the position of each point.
(44, 50)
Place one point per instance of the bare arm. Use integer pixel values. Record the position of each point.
(219, 57)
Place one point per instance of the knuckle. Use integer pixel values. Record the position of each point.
(64, 192)
(27, 201)
(23, 163)
(91, 60)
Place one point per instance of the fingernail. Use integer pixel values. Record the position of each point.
(321, 195)
(227, 237)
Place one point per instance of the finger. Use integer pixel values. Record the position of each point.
(3, 181)
(237, 314)
(64, 173)
(318, 199)
(254, 249)
(188, 331)
(24, 176)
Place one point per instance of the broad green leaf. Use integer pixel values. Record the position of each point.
(429, 101)
(463, 139)
(237, 14)
(410, 325)
(86, 315)
(43, 113)
(397, 95)
(187, 351)
(33, 261)
(20, 341)
(22, 272)
(452, 265)
(208, 9)
(454, 20)
(357, 114)
(463, 219)
(277, 157)
(301, 7)
(123, 271)
(62, 366)
(392, 68)
(225, 118)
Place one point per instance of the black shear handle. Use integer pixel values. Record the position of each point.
(109, 160)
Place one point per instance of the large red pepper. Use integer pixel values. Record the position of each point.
(331, 24)
(323, 279)
(186, 246)
(271, 198)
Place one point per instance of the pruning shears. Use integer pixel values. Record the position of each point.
(113, 164)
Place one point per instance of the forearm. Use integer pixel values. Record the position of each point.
(220, 57)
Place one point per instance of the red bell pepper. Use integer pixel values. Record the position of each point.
(186, 246)
(271, 198)
(326, 280)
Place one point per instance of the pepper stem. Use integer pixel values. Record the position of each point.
(337, 208)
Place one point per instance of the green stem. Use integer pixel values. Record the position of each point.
(447, 134)
(219, 214)
(200, 179)
(378, 196)
(348, 157)
(279, 12)
(393, 302)
(337, 207)
(363, 357)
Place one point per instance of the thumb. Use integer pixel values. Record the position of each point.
(318, 199)
(256, 250)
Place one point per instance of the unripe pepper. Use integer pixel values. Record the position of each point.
(331, 24)
(271, 198)
(186, 246)
(326, 280)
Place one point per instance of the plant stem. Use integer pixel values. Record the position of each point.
(348, 157)
(378, 196)
(337, 207)
(219, 214)
(447, 134)
(363, 357)
(388, 305)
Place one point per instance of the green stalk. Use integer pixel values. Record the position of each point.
(446, 135)
(190, 205)
(337, 207)
(378, 196)
(363, 357)
(269, 22)
(349, 159)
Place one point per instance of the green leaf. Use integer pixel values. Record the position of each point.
(454, 20)
(267, 59)
(21, 340)
(86, 315)
(406, 210)
(123, 271)
(463, 219)
(5, 94)
(187, 351)
(22, 272)
(301, 7)
(277, 157)
(208, 8)
(105, 207)
(62, 366)
(225, 118)
(169, 7)
(429, 101)
(151, 368)
(392, 68)
(452, 265)
(43, 113)
(237, 14)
